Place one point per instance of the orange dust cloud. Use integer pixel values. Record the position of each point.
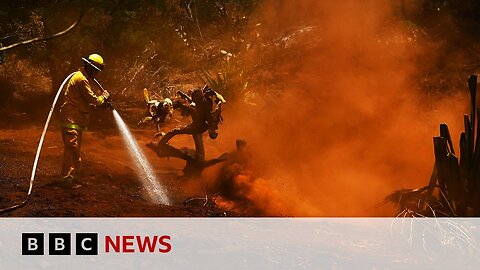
(351, 125)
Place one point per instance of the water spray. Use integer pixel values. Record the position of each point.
(144, 169)
(154, 189)
(39, 149)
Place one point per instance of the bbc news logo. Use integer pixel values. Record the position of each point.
(87, 244)
(59, 244)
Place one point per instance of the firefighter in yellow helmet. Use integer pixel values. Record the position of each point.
(75, 111)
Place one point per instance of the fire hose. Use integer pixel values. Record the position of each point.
(108, 102)
(39, 148)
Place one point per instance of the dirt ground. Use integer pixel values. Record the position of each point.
(109, 185)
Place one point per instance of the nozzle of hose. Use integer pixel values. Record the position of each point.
(109, 104)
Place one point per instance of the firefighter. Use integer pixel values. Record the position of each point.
(205, 109)
(156, 111)
(214, 102)
(75, 111)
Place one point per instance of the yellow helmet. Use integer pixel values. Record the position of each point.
(94, 60)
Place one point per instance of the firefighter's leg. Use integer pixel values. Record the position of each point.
(67, 153)
(145, 120)
(199, 148)
(78, 159)
(71, 153)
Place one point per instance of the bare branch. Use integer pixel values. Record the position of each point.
(39, 39)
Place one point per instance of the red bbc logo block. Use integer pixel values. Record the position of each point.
(59, 244)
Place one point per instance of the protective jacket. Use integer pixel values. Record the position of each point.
(78, 98)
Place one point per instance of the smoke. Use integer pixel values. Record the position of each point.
(351, 124)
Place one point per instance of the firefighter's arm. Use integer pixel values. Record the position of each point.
(219, 100)
(184, 96)
(184, 109)
(88, 94)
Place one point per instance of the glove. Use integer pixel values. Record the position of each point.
(105, 94)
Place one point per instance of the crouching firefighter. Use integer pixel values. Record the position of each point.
(156, 111)
(75, 111)
(205, 109)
